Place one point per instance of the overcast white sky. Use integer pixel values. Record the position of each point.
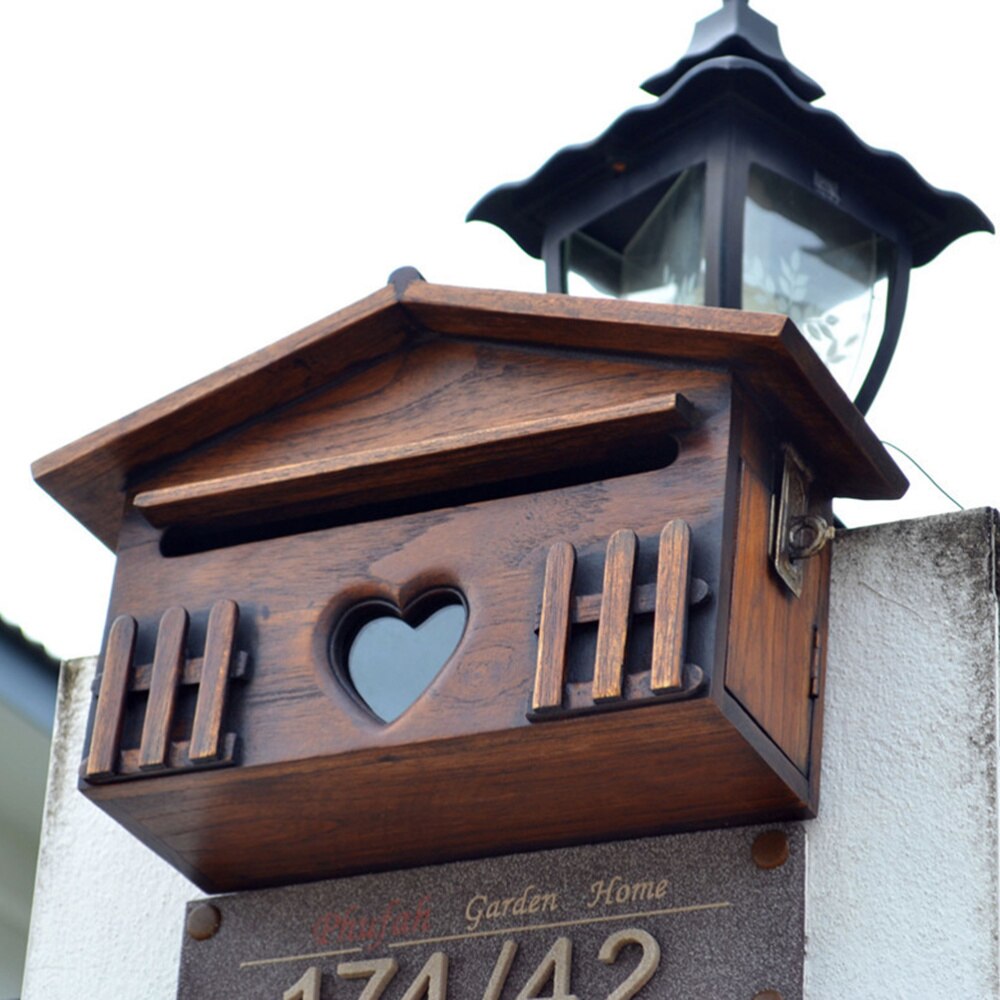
(184, 183)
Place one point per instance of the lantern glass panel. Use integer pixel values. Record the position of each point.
(660, 257)
(808, 259)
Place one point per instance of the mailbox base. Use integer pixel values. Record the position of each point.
(648, 770)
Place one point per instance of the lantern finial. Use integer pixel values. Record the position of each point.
(736, 30)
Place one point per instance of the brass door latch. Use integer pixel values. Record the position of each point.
(796, 534)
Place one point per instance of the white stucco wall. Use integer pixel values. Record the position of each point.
(107, 916)
(902, 892)
(902, 862)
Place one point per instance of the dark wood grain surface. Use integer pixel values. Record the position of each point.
(317, 472)
(665, 767)
(109, 709)
(613, 624)
(90, 476)
(206, 730)
(293, 589)
(771, 632)
(553, 628)
(673, 577)
(168, 667)
(630, 663)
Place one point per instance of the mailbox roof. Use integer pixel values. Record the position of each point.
(767, 353)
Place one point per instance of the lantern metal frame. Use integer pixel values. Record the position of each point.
(731, 102)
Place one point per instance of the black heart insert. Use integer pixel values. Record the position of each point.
(388, 656)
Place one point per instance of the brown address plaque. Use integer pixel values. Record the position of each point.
(692, 916)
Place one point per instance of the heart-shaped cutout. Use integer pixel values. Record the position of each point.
(389, 657)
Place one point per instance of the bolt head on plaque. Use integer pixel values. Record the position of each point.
(203, 921)
(457, 573)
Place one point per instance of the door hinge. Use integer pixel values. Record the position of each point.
(815, 659)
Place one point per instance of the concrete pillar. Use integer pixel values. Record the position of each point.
(902, 862)
(902, 876)
(108, 913)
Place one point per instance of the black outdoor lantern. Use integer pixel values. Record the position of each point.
(732, 190)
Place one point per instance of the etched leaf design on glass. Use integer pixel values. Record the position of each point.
(807, 259)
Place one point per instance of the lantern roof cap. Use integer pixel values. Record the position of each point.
(736, 30)
(929, 218)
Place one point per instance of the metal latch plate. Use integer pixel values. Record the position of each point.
(792, 507)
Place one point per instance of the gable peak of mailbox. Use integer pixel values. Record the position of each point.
(94, 477)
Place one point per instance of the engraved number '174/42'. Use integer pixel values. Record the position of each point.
(553, 972)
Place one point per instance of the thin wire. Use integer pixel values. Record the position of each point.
(931, 479)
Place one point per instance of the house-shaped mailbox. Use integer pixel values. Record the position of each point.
(605, 490)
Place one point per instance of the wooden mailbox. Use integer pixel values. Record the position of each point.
(605, 490)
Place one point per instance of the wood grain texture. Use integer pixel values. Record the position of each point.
(431, 388)
(670, 622)
(464, 771)
(90, 477)
(168, 666)
(110, 711)
(771, 631)
(178, 758)
(587, 607)
(141, 677)
(578, 696)
(774, 358)
(221, 828)
(531, 446)
(613, 627)
(292, 590)
(553, 630)
(206, 735)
